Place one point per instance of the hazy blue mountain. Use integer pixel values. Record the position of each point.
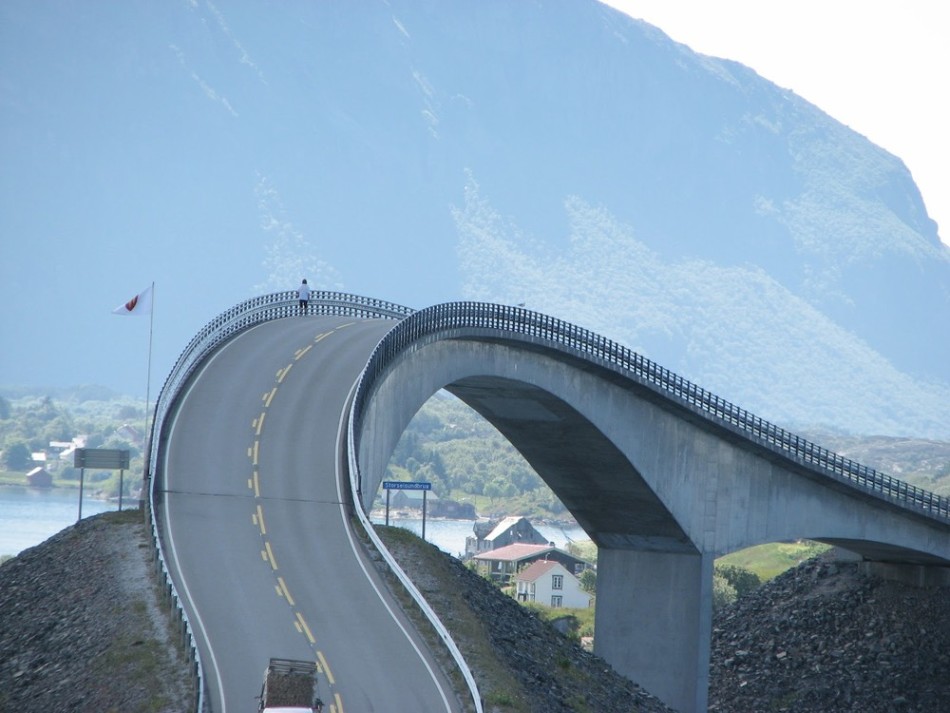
(558, 154)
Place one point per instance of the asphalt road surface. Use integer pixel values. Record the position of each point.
(257, 539)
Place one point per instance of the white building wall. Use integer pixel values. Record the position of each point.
(544, 589)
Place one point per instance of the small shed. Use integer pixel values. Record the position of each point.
(412, 499)
(39, 477)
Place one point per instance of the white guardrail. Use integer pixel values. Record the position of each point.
(214, 334)
(470, 319)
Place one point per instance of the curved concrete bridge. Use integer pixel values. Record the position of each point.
(661, 474)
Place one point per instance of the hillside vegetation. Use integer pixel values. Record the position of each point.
(446, 444)
(32, 419)
(705, 320)
(465, 458)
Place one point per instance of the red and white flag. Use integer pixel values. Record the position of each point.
(140, 304)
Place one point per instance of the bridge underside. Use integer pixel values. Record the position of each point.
(660, 491)
(885, 553)
(594, 480)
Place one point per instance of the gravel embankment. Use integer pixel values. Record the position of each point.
(824, 637)
(82, 629)
(519, 662)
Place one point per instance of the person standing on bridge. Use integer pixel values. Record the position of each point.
(303, 296)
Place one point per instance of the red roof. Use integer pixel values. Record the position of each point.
(515, 552)
(537, 570)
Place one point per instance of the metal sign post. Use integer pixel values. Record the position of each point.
(103, 458)
(408, 485)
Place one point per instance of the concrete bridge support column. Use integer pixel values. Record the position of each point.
(654, 622)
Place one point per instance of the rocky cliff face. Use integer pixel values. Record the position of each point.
(81, 629)
(731, 231)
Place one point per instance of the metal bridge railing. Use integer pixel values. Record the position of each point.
(473, 319)
(256, 311)
(217, 331)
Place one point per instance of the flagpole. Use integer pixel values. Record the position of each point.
(148, 385)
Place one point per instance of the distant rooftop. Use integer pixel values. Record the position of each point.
(515, 552)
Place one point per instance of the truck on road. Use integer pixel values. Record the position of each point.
(290, 686)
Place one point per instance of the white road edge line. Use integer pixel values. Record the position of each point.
(171, 538)
(356, 553)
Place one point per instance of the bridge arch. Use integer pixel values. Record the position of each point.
(637, 465)
(662, 475)
(696, 476)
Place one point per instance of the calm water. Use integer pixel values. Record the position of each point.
(29, 516)
(449, 535)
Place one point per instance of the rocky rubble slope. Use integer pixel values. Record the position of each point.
(824, 637)
(520, 663)
(821, 638)
(82, 629)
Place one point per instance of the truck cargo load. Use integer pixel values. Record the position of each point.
(290, 686)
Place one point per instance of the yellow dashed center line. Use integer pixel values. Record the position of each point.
(260, 520)
(326, 669)
(306, 629)
(267, 554)
(270, 555)
(284, 591)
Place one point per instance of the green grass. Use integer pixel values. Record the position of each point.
(584, 617)
(498, 686)
(12, 477)
(770, 560)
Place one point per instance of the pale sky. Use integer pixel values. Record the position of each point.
(877, 66)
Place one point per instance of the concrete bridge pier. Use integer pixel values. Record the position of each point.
(654, 622)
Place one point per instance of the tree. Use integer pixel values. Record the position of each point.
(128, 412)
(17, 456)
(588, 580)
(60, 428)
(742, 580)
(723, 592)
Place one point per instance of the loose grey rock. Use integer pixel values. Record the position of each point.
(80, 614)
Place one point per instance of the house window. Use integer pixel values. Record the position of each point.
(557, 581)
(556, 600)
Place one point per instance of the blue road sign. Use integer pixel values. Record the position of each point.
(405, 485)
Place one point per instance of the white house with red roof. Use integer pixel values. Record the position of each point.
(504, 563)
(549, 583)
